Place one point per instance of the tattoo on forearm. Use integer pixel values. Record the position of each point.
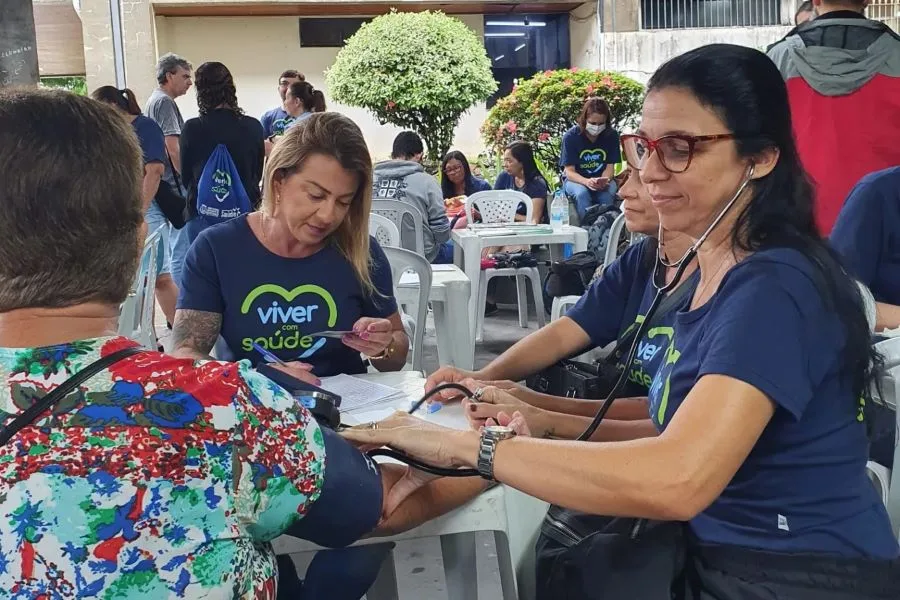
(196, 331)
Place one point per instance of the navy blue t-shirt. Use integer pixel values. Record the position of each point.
(275, 121)
(278, 302)
(151, 139)
(590, 158)
(620, 299)
(803, 487)
(536, 187)
(867, 234)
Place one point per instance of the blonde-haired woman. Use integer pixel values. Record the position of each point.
(303, 264)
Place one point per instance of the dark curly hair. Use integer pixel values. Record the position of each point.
(215, 88)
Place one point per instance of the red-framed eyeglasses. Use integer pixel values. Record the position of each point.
(675, 152)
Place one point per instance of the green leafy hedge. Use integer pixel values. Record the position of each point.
(419, 71)
(540, 109)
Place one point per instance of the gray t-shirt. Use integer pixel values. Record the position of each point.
(162, 109)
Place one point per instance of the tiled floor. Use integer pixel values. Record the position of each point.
(418, 564)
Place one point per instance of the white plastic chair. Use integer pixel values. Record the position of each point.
(409, 221)
(498, 206)
(612, 245)
(401, 261)
(561, 306)
(137, 312)
(384, 230)
(881, 479)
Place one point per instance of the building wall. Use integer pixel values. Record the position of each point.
(584, 32)
(60, 42)
(637, 54)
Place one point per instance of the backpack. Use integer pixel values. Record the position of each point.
(598, 221)
(220, 193)
(571, 276)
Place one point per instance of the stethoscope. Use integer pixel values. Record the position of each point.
(661, 290)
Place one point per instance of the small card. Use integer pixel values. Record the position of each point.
(331, 334)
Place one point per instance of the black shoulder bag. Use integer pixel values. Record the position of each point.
(172, 204)
(62, 390)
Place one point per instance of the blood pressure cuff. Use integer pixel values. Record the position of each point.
(350, 503)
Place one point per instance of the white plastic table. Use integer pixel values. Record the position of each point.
(468, 244)
(450, 291)
(512, 516)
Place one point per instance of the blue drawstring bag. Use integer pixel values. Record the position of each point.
(220, 194)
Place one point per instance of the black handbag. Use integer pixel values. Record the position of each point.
(62, 390)
(172, 204)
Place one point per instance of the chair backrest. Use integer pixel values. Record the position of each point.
(498, 206)
(408, 219)
(384, 230)
(137, 312)
(401, 261)
(612, 244)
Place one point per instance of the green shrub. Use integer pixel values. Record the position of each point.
(77, 85)
(420, 71)
(540, 109)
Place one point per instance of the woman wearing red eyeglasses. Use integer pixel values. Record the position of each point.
(761, 451)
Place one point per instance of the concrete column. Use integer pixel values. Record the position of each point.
(99, 61)
(18, 47)
(140, 47)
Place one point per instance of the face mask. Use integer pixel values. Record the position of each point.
(595, 129)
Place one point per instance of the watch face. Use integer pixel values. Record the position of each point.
(499, 431)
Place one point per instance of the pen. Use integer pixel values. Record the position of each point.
(268, 356)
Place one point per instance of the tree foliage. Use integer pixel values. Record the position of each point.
(420, 71)
(540, 109)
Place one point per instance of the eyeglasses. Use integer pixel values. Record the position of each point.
(675, 152)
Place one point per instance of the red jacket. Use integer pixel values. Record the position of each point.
(843, 78)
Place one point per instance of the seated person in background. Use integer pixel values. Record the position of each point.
(458, 183)
(403, 178)
(158, 477)
(278, 119)
(613, 305)
(521, 173)
(867, 236)
(590, 153)
(301, 265)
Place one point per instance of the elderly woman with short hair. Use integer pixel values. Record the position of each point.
(126, 472)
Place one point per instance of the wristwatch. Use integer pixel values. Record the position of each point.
(388, 352)
(490, 437)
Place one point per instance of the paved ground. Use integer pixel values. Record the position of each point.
(418, 564)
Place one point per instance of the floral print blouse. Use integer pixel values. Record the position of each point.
(158, 478)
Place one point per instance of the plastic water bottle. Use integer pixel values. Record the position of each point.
(559, 211)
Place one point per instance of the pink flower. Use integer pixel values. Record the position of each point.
(544, 136)
(607, 81)
(568, 82)
(589, 89)
(511, 126)
(574, 69)
(548, 72)
(391, 104)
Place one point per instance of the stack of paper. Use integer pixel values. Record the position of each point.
(358, 393)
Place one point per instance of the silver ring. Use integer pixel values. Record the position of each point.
(478, 394)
